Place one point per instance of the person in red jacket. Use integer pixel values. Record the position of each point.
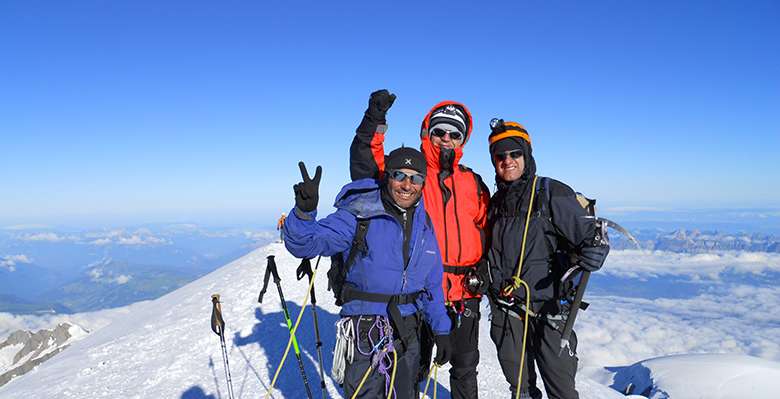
(456, 200)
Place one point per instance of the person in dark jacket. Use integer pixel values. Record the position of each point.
(558, 224)
(456, 200)
(392, 286)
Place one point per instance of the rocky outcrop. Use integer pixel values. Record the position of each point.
(24, 350)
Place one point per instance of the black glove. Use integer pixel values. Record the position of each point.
(592, 258)
(307, 192)
(378, 104)
(483, 271)
(443, 349)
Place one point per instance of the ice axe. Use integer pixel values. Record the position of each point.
(602, 239)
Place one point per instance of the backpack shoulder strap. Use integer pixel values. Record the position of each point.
(544, 188)
(481, 186)
(358, 242)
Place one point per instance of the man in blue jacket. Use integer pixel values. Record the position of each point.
(390, 285)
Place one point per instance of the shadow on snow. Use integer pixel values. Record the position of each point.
(270, 334)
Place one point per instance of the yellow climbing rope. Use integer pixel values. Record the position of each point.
(509, 289)
(435, 373)
(292, 334)
(517, 282)
(371, 368)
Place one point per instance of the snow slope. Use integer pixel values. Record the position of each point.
(701, 376)
(165, 348)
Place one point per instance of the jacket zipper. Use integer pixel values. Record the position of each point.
(457, 221)
(406, 264)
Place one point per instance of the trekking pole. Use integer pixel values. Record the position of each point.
(218, 326)
(271, 269)
(305, 270)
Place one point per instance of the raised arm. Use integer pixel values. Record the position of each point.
(367, 153)
(305, 236)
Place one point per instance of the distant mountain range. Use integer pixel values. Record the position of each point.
(697, 241)
(56, 271)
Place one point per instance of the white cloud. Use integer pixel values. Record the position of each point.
(136, 239)
(26, 227)
(98, 275)
(618, 331)
(120, 237)
(10, 261)
(646, 264)
(50, 237)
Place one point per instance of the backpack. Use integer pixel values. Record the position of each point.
(340, 263)
(566, 256)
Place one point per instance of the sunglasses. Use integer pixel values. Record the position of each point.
(457, 136)
(516, 154)
(417, 179)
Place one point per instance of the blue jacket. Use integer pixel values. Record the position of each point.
(381, 271)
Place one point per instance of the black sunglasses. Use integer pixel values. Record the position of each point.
(457, 136)
(514, 154)
(399, 176)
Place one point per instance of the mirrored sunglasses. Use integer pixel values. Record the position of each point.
(515, 154)
(399, 176)
(457, 136)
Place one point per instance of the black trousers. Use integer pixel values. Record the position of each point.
(465, 356)
(407, 367)
(542, 348)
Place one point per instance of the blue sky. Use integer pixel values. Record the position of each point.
(158, 111)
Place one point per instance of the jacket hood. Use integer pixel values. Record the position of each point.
(361, 198)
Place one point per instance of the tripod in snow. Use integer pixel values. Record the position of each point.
(271, 269)
(218, 326)
(305, 270)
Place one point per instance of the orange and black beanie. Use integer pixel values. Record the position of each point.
(508, 136)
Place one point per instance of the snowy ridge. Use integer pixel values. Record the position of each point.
(165, 348)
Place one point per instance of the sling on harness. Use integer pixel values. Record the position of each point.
(218, 326)
(271, 269)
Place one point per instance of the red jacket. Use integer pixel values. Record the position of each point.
(457, 202)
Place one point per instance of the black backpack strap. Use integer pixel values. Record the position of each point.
(359, 245)
(481, 186)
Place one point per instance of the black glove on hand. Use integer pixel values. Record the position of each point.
(443, 349)
(378, 104)
(592, 258)
(307, 192)
(483, 271)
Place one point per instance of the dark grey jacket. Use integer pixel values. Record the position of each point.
(558, 225)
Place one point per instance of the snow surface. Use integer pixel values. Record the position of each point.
(702, 376)
(165, 348)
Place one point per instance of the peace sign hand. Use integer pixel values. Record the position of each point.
(307, 192)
